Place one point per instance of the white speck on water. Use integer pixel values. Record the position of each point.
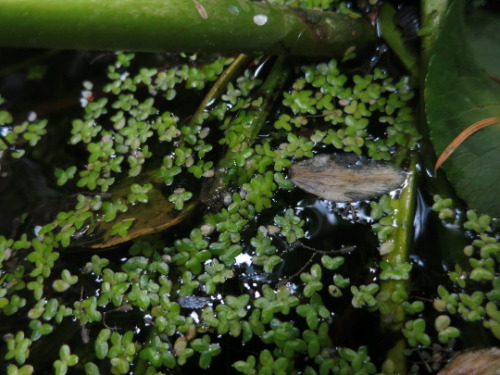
(195, 316)
(243, 259)
(37, 229)
(260, 19)
(32, 116)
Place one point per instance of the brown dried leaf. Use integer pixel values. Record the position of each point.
(480, 362)
(345, 177)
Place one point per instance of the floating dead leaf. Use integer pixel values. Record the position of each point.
(479, 362)
(345, 177)
(194, 302)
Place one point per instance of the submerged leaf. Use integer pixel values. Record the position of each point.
(345, 178)
(154, 216)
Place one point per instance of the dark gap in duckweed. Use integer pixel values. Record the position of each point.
(426, 257)
(51, 94)
(45, 352)
(329, 230)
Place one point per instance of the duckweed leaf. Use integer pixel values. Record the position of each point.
(458, 94)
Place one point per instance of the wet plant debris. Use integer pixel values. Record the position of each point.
(345, 177)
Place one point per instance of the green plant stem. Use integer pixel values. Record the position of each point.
(393, 315)
(433, 12)
(228, 26)
(220, 85)
(395, 40)
(270, 90)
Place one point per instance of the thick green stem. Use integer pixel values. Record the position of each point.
(433, 12)
(394, 292)
(228, 26)
(392, 35)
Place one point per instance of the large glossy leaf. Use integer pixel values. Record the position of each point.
(458, 94)
(483, 35)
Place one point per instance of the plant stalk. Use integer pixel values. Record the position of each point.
(393, 315)
(394, 38)
(269, 91)
(220, 85)
(212, 26)
(433, 13)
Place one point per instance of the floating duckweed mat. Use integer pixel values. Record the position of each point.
(241, 281)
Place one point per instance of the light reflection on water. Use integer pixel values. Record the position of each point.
(242, 259)
(421, 212)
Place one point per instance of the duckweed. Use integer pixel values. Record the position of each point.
(232, 255)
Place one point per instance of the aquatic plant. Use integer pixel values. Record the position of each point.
(242, 274)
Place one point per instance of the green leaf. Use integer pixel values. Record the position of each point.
(91, 368)
(459, 94)
(205, 360)
(482, 30)
(120, 365)
(332, 263)
(101, 349)
(60, 285)
(266, 358)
